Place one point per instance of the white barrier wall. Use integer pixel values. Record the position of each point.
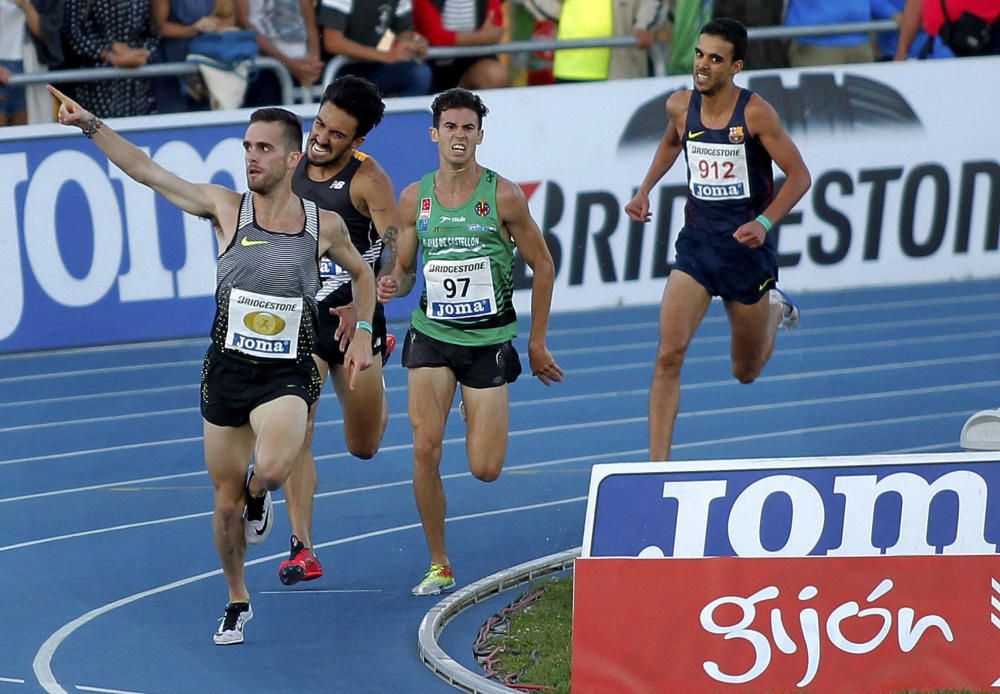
(904, 159)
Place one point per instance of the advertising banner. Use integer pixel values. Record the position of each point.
(903, 156)
(777, 574)
(821, 625)
(89, 256)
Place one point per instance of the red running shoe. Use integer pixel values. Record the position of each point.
(390, 344)
(302, 565)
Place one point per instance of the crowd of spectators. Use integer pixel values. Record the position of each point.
(387, 41)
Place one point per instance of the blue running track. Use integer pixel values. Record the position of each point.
(110, 581)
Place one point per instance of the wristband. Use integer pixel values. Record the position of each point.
(365, 325)
(764, 222)
(92, 126)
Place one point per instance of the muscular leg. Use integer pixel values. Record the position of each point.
(681, 312)
(227, 457)
(487, 429)
(300, 487)
(280, 426)
(431, 391)
(366, 411)
(754, 328)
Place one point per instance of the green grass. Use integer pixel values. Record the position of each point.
(538, 644)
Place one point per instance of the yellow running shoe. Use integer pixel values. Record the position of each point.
(438, 579)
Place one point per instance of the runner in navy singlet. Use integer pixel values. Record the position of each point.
(729, 136)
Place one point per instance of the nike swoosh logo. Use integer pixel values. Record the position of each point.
(763, 284)
(250, 242)
(266, 519)
(692, 135)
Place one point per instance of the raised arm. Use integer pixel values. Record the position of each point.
(399, 280)
(664, 157)
(213, 202)
(512, 207)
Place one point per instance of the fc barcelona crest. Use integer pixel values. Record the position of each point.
(736, 134)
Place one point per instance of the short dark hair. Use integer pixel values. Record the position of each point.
(458, 98)
(292, 124)
(730, 30)
(358, 97)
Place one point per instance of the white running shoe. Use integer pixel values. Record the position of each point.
(257, 516)
(790, 314)
(230, 631)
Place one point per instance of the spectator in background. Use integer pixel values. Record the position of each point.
(766, 54)
(585, 19)
(463, 23)
(838, 49)
(932, 15)
(116, 33)
(13, 30)
(179, 21)
(887, 42)
(286, 30)
(29, 35)
(687, 17)
(357, 30)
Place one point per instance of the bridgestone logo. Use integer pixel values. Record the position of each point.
(473, 266)
(270, 305)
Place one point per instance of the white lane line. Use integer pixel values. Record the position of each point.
(783, 347)
(318, 591)
(865, 424)
(82, 688)
(12, 680)
(927, 390)
(780, 378)
(42, 663)
(102, 370)
(842, 347)
(336, 492)
(868, 309)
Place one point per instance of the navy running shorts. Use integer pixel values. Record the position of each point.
(488, 366)
(326, 347)
(725, 267)
(231, 386)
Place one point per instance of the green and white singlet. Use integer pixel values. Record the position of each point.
(467, 264)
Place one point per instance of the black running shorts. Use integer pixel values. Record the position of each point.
(231, 387)
(326, 347)
(725, 267)
(476, 367)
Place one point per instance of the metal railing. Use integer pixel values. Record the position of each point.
(95, 74)
(309, 95)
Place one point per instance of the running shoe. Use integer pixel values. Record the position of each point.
(438, 579)
(790, 315)
(390, 344)
(302, 564)
(230, 631)
(257, 515)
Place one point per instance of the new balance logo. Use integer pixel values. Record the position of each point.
(337, 185)
(250, 242)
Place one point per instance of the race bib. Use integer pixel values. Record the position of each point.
(718, 171)
(459, 289)
(264, 326)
